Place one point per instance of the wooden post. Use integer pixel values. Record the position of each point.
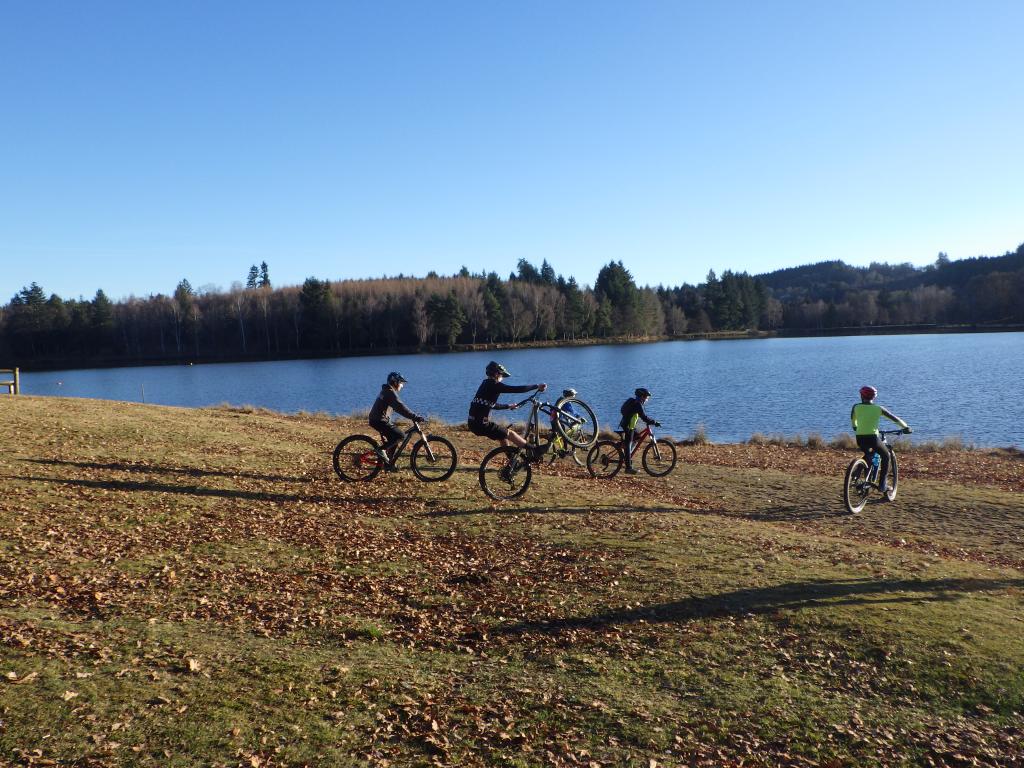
(13, 385)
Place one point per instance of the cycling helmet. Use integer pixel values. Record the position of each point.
(642, 392)
(569, 393)
(494, 367)
(394, 378)
(868, 393)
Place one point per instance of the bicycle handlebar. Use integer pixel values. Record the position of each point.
(533, 396)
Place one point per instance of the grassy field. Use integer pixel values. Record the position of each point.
(194, 587)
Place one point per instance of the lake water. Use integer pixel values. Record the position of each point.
(967, 385)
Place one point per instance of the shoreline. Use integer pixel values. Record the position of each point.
(70, 364)
(811, 441)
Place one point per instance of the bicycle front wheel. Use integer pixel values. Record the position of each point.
(893, 477)
(659, 457)
(356, 459)
(578, 456)
(578, 424)
(434, 459)
(856, 487)
(505, 474)
(605, 459)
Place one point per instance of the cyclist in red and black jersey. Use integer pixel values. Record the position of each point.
(486, 400)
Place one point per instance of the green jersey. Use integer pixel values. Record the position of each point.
(865, 417)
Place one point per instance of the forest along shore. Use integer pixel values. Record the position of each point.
(99, 361)
(345, 317)
(196, 582)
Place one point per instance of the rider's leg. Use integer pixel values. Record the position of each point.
(883, 465)
(516, 439)
(532, 451)
(627, 447)
(873, 444)
(391, 436)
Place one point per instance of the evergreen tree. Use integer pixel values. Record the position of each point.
(547, 273)
(101, 317)
(615, 283)
(183, 313)
(454, 317)
(264, 281)
(254, 276)
(527, 272)
(316, 316)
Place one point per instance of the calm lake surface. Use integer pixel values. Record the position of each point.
(967, 385)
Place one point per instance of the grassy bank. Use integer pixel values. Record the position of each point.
(183, 587)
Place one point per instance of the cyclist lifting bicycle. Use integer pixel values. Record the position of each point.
(486, 400)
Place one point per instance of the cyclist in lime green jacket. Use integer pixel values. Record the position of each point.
(864, 416)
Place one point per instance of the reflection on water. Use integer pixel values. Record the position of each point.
(943, 385)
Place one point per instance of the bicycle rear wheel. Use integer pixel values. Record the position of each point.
(505, 474)
(605, 459)
(438, 468)
(856, 487)
(578, 425)
(356, 460)
(659, 457)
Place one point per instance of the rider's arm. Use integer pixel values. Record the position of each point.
(643, 414)
(897, 419)
(503, 387)
(853, 417)
(400, 407)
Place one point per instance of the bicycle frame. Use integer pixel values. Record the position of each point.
(537, 407)
(414, 431)
(638, 438)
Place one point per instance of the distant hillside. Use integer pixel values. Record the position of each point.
(832, 294)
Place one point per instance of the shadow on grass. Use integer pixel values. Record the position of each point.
(781, 513)
(256, 496)
(188, 471)
(554, 510)
(794, 596)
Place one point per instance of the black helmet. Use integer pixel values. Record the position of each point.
(395, 378)
(569, 392)
(642, 392)
(493, 368)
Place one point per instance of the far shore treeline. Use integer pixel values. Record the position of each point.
(255, 320)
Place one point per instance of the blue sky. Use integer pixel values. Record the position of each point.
(141, 143)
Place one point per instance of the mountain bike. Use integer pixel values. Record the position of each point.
(557, 446)
(359, 458)
(506, 472)
(607, 456)
(862, 476)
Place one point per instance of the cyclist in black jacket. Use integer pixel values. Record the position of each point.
(486, 399)
(633, 412)
(380, 414)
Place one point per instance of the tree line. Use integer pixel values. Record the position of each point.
(255, 320)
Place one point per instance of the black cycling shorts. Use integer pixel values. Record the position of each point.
(389, 433)
(487, 429)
